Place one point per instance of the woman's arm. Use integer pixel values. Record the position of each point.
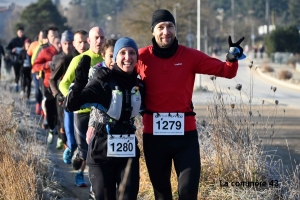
(82, 93)
(2, 50)
(92, 93)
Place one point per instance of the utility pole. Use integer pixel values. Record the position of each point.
(175, 6)
(251, 12)
(233, 19)
(198, 24)
(267, 16)
(197, 84)
(205, 39)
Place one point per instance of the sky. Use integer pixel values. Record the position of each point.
(27, 2)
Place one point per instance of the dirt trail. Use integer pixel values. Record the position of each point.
(65, 174)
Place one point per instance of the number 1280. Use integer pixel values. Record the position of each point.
(122, 147)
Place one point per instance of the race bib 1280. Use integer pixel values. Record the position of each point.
(168, 123)
(118, 146)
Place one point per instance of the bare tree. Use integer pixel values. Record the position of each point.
(9, 31)
(135, 18)
(75, 15)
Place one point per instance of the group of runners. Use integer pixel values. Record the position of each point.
(89, 89)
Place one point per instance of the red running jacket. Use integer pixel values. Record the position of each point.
(42, 62)
(170, 81)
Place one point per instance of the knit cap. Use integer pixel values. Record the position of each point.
(124, 42)
(161, 15)
(67, 36)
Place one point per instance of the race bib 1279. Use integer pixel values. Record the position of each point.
(168, 123)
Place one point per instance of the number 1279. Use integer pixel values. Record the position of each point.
(166, 125)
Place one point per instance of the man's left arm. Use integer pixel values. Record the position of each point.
(204, 64)
(212, 66)
(40, 61)
(56, 75)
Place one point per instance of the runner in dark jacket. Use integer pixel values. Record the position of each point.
(14, 48)
(80, 45)
(60, 63)
(43, 63)
(25, 71)
(114, 122)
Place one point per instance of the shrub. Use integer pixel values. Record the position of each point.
(285, 75)
(283, 39)
(266, 68)
(293, 60)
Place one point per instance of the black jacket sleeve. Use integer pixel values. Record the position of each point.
(143, 94)
(92, 93)
(10, 45)
(56, 75)
(22, 56)
(2, 51)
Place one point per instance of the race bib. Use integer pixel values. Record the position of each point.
(168, 123)
(121, 146)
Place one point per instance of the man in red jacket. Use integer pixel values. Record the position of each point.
(170, 133)
(42, 63)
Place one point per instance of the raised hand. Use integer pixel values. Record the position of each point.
(235, 50)
(83, 67)
(237, 44)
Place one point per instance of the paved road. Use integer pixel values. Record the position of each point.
(251, 83)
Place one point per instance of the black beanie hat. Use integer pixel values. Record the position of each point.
(161, 15)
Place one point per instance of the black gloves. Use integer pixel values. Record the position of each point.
(233, 53)
(103, 74)
(60, 98)
(83, 67)
(82, 72)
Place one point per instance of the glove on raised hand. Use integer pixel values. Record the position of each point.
(232, 57)
(82, 72)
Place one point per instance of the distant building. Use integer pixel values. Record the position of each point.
(263, 29)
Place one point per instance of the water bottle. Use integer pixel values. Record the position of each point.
(115, 107)
(136, 101)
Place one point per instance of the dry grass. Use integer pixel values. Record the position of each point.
(25, 171)
(285, 75)
(18, 167)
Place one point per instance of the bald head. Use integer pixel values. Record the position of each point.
(96, 39)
